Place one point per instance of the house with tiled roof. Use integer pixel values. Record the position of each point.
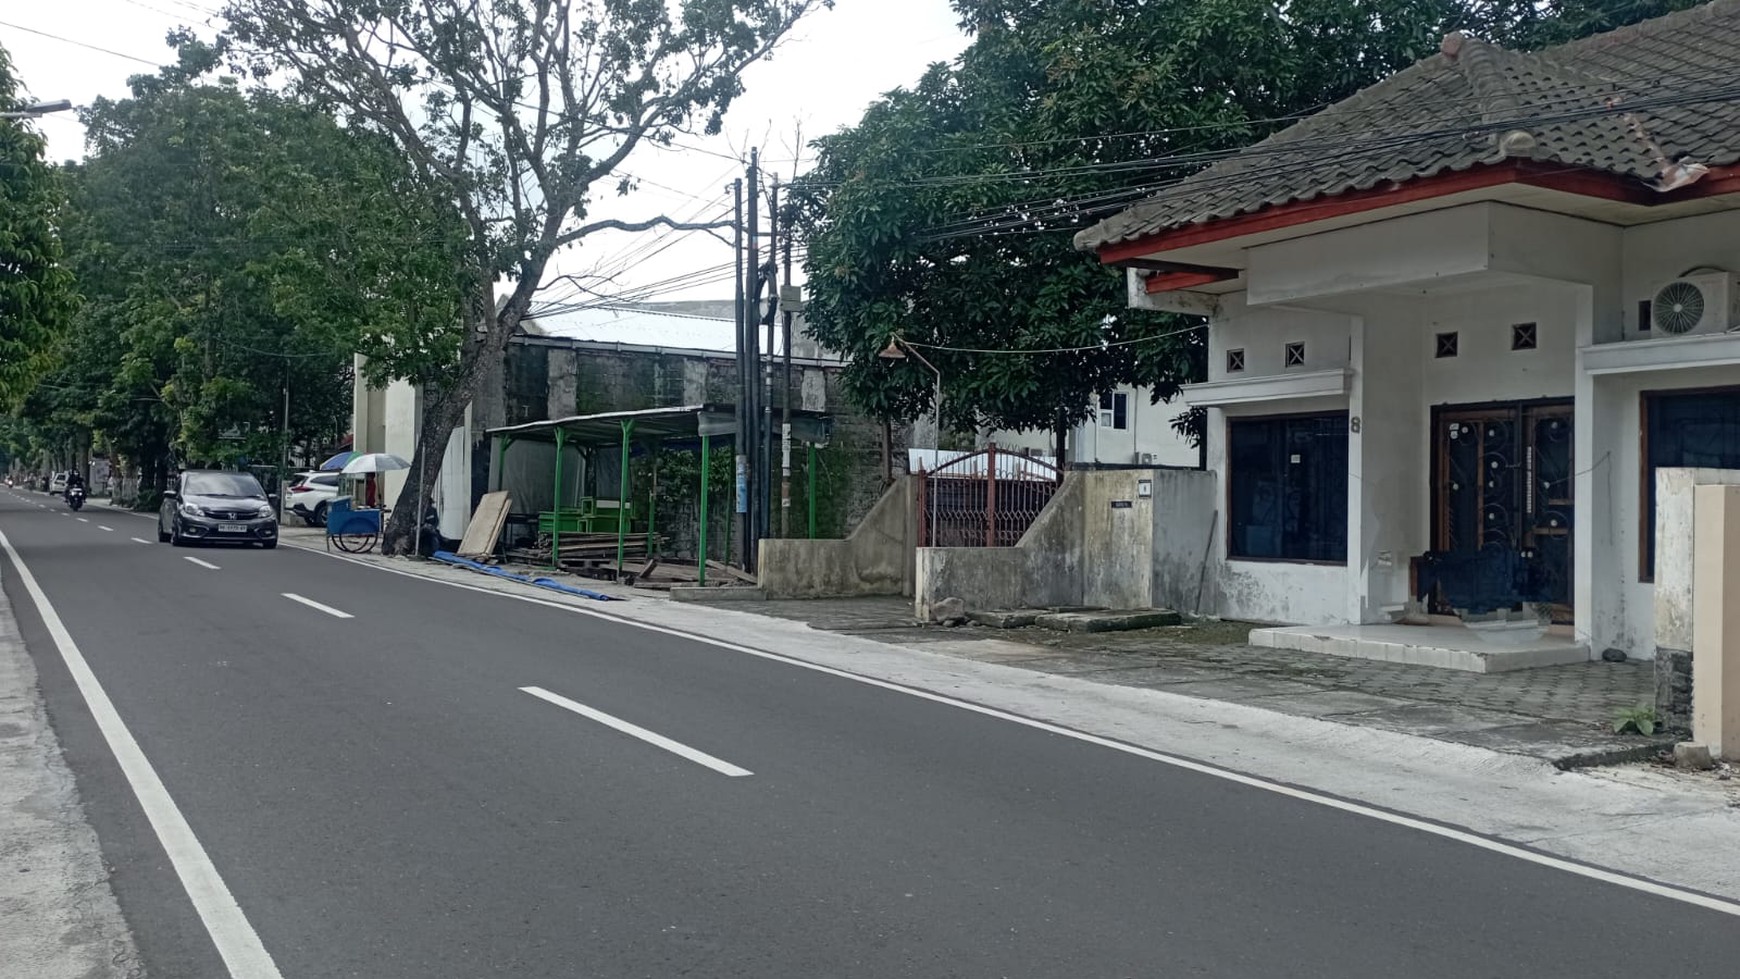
(1472, 333)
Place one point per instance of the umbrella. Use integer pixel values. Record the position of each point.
(374, 462)
(338, 462)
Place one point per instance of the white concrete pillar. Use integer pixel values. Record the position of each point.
(1716, 621)
(1387, 481)
(1587, 479)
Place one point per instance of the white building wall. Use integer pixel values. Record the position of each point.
(1148, 431)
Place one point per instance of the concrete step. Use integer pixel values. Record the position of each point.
(1446, 647)
(1109, 620)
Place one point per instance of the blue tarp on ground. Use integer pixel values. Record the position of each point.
(447, 557)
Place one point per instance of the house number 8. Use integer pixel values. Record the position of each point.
(1353, 424)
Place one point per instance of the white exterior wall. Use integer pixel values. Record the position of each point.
(1148, 431)
(1564, 275)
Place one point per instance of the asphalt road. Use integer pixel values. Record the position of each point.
(384, 800)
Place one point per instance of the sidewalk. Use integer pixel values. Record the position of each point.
(58, 916)
(1559, 714)
(1562, 715)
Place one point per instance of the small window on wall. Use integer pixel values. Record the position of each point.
(1685, 428)
(1287, 488)
(1447, 343)
(1235, 361)
(1295, 354)
(1114, 410)
(1524, 336)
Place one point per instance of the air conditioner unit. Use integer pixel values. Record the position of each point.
(1147, 458)
(1701, 303)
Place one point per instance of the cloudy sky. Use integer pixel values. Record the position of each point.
(822, 79)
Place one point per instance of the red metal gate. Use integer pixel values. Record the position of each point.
(983, 499)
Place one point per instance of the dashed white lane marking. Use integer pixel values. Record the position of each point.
(311, 603)
(237, 942)
(140, 540)
(203, 564)
(84, 520)
(636, 731)
(109, 529)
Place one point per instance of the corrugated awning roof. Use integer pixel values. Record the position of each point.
(659, 425)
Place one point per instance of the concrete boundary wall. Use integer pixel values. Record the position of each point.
(1676, 535)
(1100, 541)
(877, 559)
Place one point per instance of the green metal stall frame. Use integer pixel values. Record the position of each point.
(653, 427)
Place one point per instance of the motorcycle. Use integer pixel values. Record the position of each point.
(75, 497)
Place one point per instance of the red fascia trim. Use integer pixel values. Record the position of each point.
(1174, 281)
(1587, 183)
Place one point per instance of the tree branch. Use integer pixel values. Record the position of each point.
(613, 224)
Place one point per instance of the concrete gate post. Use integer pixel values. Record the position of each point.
(1716, 621)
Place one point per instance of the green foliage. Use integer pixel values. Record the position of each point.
(522, 112)
(946, 215)
(36, 290)
(229, 245)
(1641, 720)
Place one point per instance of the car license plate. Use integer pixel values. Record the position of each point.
(232, 528)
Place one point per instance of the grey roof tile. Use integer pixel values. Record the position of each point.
(1478, 103)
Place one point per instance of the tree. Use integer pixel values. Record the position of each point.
(523, 111)
(233, 245)
(36, 290)
(945, 216)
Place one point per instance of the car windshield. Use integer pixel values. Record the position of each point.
(224, 484)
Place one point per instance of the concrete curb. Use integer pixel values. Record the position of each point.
(61, 919)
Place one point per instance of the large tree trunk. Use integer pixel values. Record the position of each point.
(444, 410)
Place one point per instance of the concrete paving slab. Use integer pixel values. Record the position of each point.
(1570, 743)
(1077, 663)
(1238, 689)
(1166, 673)
(993, 650)
(1327, 703)
(1434, 720)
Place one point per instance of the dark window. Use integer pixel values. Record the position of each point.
(1694, 429)
(1295, 355)
(222, 484)
(1235, 361)
(1523, 336)
(1114, 411)
(1644, 314)
(1287, 478)
(1446, 345)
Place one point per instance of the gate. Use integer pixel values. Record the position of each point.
(983, 499)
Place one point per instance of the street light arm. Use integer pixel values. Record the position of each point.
(38, 109)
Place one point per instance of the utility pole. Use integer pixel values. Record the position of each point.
(752, 320)
(786, 301)
(284, 458)
(744, 383)
(766, 509)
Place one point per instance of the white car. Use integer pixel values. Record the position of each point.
(57, 483)
(311, 494)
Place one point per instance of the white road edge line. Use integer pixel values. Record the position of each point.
(1641, 884)
(203, 564)
(311, 603)
(634, 730)
(237, 942)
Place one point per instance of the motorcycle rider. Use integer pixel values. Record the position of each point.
(74, 478)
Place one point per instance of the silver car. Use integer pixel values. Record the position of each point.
(206, 505)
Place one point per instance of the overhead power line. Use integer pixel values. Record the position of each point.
(81, 44)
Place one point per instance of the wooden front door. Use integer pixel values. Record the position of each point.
(1503, 476)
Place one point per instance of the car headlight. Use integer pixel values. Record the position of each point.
(267, 511)
(192, 510)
